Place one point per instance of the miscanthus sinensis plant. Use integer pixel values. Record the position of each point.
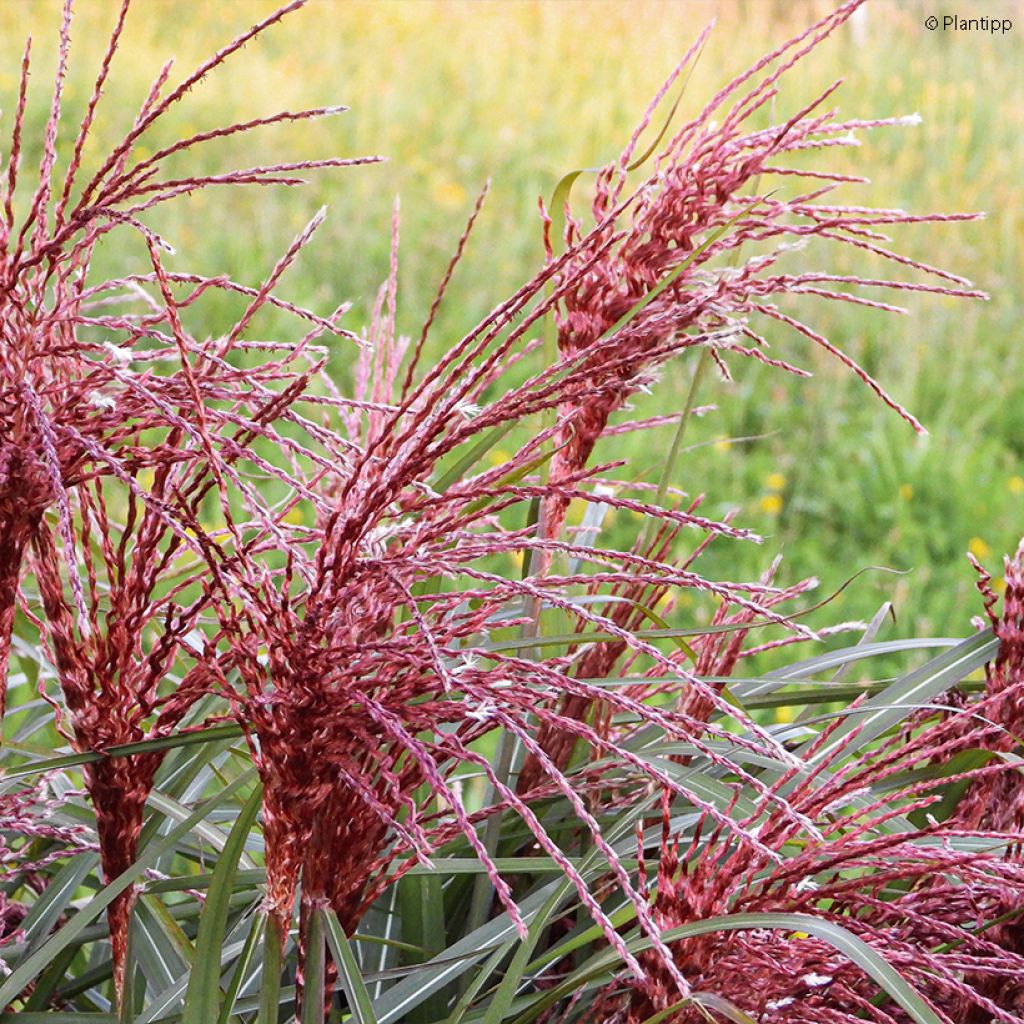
(346, 722)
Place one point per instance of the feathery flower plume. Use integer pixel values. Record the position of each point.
(662, 270)
(101, 387)
(370, 662)
(147, 564)
(78, 383)
(32, 836)
(938, 899)
(114, 667)
(34, 813)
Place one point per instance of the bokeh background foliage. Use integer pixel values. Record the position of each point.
(520, 92)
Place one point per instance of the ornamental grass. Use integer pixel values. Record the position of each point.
(462, 756)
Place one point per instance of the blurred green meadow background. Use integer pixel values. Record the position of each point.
(454, 93)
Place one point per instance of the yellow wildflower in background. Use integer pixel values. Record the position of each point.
(978, 548)
(1015, 485)
(772, 504)
(449, 194)
(775, 481)
(906, 491)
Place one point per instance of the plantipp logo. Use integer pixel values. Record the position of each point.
(954, 23)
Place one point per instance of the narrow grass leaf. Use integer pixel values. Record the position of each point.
(472, 457)
(421, 911)
(349, 974)
(854, 948)
(159, 944)
(242, 963)
(457, 959)
(55, 900)
(896, 702)
(313, 970)
(707, 1000)
(202, 1000)
(200, 736)
(270, 984)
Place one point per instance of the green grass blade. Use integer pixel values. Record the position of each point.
(502, 1000)
(560, 639)
(896, 702)
(351, 978)
(707, 1000)
(314, 972)
(58, 1017)
(556, 208)
(421, 911)
(648, 152)
(472, 990)
(870, 635)
(177, 811)
(162, 950)
(472, 457)
(560, 196)
(216, 732)
(654, 617)
(56, 898)
(848, 655)
(242, 963)
(460, 957)
(274, 938)
(48, 982)
(127, 999)
(243, 880)
(202, 999)
(854, 948)
(668, 470)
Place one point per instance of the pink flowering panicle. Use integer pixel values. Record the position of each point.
(86, 364)
(1006, 674)
(119, 429)
(34, 833)
(996, 801)
(690, 258)
(934, 888)
(373, 657)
